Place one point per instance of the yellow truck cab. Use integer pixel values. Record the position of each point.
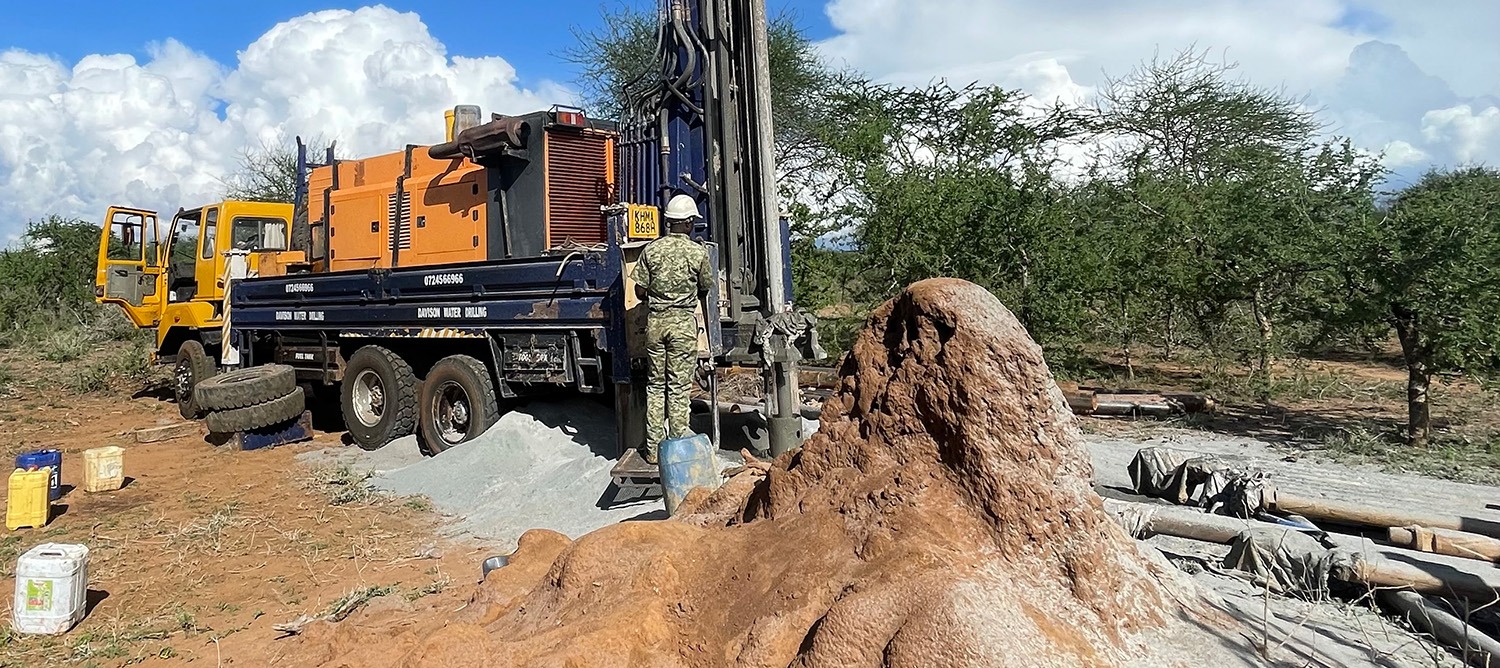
(171, 277)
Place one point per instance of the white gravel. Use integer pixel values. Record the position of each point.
(543, 466)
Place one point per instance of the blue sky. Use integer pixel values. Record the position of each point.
(150, 104)
(543, 30)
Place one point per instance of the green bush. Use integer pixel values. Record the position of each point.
(65, 346)
(119, 363)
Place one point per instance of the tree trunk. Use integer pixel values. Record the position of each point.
(1167, 343)
(1126, 338)
(1418, 377)
(1263, 322)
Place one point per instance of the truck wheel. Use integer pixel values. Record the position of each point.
(280, 409)
(378, 397)
(245, 387)
(193, 366)
(458, 403)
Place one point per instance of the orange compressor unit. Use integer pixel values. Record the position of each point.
(517, 186)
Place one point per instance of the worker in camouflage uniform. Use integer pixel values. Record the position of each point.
(672, 277)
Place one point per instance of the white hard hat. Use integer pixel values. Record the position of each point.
(682, 207)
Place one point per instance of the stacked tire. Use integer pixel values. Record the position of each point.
(249, 399)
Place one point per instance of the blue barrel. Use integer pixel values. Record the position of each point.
(686, 463)
(39, 458)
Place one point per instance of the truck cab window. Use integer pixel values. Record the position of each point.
(182, 280)
(127, 232)
(256, 234)
(210, 229)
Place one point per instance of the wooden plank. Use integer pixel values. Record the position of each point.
(167, 432)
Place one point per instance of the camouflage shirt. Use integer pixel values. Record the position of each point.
(675, 272)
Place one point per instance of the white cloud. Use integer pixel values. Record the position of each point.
(1399, 154)
(1472, 135)
(1408, 78)
(165, 132)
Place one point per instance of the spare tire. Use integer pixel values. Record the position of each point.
(275, 411)
(245, 387)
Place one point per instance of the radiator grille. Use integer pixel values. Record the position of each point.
(400, 228)
(578, 184)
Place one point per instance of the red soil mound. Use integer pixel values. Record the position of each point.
(942, 516)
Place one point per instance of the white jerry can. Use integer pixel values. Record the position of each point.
(51, 588)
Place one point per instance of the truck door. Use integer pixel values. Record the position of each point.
(129, 264)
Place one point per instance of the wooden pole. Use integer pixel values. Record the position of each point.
(1378, 567)
(1446, 541)
(1083, 404)
(1340, 512)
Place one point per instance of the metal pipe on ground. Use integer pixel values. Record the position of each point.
(809, 412)
(1477, 649)
(1446, 541)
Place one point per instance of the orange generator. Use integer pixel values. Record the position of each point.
(517, 186)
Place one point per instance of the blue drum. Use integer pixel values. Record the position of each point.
(686, 463)
(40, 458)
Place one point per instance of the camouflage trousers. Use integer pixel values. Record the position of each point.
(672, 355)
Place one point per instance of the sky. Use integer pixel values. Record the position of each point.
(151, 104)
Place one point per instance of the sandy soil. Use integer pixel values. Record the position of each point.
(205, 549)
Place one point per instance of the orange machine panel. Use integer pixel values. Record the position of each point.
(447, 216)
(438, 216)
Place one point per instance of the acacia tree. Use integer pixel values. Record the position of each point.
(1430, 269)
(945, 181)
(268, 173)
(1234, 195)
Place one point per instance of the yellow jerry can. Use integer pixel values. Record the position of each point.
(27, 504)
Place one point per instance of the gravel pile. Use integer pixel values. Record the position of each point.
(543, 466)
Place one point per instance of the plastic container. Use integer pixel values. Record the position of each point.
(26, 503)
(686, 463)
(40, 458)
(103, 469)
(52, 582)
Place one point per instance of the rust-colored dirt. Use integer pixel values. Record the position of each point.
(205, 549)
(942, 516)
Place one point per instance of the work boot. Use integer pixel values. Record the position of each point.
(649, 455)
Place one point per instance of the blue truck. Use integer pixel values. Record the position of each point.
(441, 282)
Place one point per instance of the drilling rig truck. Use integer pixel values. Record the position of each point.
(432, 284)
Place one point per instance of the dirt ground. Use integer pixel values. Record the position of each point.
(1343, 407)
(205, 549)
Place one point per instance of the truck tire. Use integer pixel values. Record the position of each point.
(245, 387)
(280, 409)
(378, 397)
(193, 367)
(458, 403)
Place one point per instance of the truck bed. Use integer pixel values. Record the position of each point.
(577, 290)
(547, 319)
